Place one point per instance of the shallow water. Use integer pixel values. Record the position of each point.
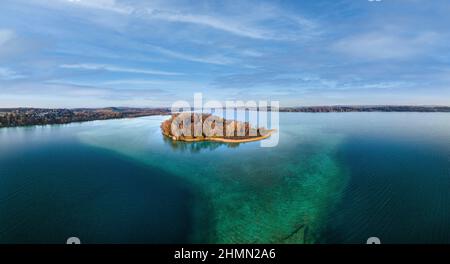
(333, 178)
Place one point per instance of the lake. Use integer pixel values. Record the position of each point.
(333, 178)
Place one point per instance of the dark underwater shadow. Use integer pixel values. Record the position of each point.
(62, 190)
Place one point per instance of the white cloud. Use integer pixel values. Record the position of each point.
(251, 53)
(111, 68)
(373, 85)
(204, 20)
(381, 45)
(7, 74)
(209, 21)
(216, 59)
(242, 24)
(249, 21)
(106, 5)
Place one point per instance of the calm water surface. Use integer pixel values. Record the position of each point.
(333, 178)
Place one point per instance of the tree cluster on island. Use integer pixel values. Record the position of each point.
(199, 127)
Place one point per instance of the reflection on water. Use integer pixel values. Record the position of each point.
(196, 147)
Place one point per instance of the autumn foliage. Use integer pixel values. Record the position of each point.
(203, 126)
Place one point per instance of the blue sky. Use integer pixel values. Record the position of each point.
(96, 53)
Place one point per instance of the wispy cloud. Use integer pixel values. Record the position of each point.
(111, 68)
(251, 53)
(106, 5)
(108, 49)
(172, 16)
(215, 59)
(386, 45)
(292, 27)
(7, 74)
(212, 22)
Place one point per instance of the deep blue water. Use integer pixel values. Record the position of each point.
(52, 188)
(333, 178)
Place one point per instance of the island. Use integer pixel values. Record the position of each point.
(192, 127)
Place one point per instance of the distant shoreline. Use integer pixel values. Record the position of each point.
(366, 108)
(17, 117)
(330, 108)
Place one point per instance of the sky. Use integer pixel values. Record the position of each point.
(100, 53)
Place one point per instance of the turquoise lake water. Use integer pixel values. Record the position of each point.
(333, 178)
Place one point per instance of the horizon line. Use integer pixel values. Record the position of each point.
(299, 106)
